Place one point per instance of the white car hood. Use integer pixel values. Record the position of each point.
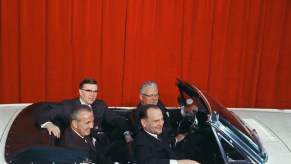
(274, 129)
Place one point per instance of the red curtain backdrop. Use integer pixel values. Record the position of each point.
(238, 51)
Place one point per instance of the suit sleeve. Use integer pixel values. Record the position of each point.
(144, 155)
(136, 123)
(49, 114)
(110, 116)
(174, 115)
(117, 121)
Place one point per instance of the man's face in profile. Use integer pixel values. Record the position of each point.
(84, 124)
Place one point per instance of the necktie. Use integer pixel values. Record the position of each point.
(89, 141)
(97, 155)
(168, 147)
(159, 137)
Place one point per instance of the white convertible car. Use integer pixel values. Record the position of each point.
(242, 135)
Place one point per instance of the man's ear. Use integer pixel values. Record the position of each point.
(140, 96)
(74, 124)
(143, 122)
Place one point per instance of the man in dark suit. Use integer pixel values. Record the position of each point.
(152, 145)
(195, 145)
(149, 94)
(77, 136)
(88, 90)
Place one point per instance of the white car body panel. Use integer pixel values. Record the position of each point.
(274, 129)
(8, 112)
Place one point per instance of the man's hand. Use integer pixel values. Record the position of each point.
(186, 161)
(52, 128)
(180, 137)
(191, 109)
(128, 138)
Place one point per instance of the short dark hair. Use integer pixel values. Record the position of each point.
(143, 111)
(87, 81)
(75, 113)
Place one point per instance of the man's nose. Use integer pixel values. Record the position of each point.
(161, 122)
(154, 98)
(93, 94)
(91, 125)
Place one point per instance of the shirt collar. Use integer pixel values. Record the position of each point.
(83, 103)
(154, 135)
(77, 133)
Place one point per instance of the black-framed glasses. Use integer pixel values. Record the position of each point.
(151, 95)
(90, 91)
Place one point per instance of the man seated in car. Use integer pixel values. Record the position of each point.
(153, 145)
(149, 94)
(195, 145)
(88, 89)
(77, 136)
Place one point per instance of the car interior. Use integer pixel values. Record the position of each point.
(26, 142)
(226, 135)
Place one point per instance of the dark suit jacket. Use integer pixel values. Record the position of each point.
(100, 110)
(171, 117)
(148, 149)
(72, 140)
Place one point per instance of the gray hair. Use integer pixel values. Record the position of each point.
(75, 113)
(147, 84)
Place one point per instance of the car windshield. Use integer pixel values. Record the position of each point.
(239, 134)
(208, 105)
(231, 132)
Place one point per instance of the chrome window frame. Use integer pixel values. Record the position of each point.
(237, 140)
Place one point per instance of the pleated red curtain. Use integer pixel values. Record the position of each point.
(238, 51)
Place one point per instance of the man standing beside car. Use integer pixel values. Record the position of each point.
(88, 90)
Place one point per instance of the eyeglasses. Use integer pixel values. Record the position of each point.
(151, 95)
(90, 91)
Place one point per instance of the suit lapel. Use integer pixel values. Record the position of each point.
(164, 144)
(77, 101)
(90, 143)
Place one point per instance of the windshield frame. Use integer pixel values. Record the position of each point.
(225, 125)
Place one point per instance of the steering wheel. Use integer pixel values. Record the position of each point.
(189, 124)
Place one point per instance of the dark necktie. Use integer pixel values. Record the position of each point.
(90, 143)
(159, 137)
(168, 147)
(98, 155)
